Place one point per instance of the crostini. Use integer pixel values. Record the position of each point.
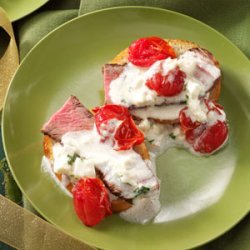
(102, 160)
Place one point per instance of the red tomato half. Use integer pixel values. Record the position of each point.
(91, 201)
(203, 137)
(213, 106)
(127, 134)
(185, 121)
(107, 112)
(145, 51)
(168, 85)
(211, 138)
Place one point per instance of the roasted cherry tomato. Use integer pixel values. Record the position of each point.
(186, 122)
(108, 112)
(204, 137)
(91, 201)
(126, 133)
(211, 138)
(168, 85)
(193, 134)
(145, 51)
(213, 106)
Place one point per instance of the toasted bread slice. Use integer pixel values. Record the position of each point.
(73, 115)
(117, 205)
(179, 46)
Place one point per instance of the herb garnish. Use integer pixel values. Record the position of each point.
(171, 135)
(72, 158)
(141, 190)
(123, 101)
(151, 141)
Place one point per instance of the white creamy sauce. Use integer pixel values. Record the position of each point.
(47, 168)
(170, 112)
(130, 87)
(124, 169)
(213, 117)
(161, 137)
(197, 110)
(144, 209)
(108, 129)
(212, 189)
(79, 167)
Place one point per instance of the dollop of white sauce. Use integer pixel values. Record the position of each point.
(213, 117)
(196, 108)
(125, 169)
(161, 137)
(144, 209)
(68, 161)
(47, 168)
(130, 87)
(108, 129)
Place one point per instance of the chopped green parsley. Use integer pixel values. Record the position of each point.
(171, 135)
(141, 190)
(72, 158)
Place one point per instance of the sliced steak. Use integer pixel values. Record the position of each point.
(72, 116)
(110, 73)
(125, 190)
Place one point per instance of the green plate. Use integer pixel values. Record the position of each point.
(17, 9)
(201, 197)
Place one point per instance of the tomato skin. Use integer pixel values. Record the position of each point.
(168, 85)
(203, 137)
(127, 134)
(185, 121)
(91, 201)
(145, 51)
(213, 106)
(193, 134)
(212, 138)
(107, 112)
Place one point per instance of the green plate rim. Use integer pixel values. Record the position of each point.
(14, 18)
(241, 217)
